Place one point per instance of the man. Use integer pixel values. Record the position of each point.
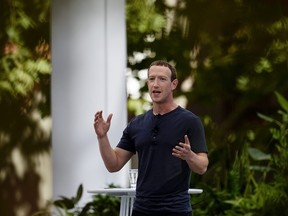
(170, 142)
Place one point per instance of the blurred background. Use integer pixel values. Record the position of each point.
(232, 62)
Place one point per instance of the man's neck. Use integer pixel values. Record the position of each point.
(163, 109)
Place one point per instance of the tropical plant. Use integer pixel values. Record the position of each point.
(100, 205)
(257, 182)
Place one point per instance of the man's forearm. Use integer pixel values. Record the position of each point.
(198, 163)
(108, 154)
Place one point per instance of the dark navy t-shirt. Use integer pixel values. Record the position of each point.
(163, 180)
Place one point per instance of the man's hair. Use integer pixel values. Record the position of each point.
(165, 64)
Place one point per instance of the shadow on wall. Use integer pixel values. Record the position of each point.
(19, 194)
(25, 143)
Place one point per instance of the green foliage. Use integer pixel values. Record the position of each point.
(106, 205)
(231, 56)
(257, 182)
(101, 205)
(25, 123)
(19, 76)
(142, 19)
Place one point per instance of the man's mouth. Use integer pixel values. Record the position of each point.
(156, 92)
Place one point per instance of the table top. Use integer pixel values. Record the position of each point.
(130, 191)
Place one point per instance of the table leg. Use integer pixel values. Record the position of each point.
(126, 205)
(131, 204)
(123, 206)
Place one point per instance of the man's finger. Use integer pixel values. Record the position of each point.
(109, 118)
(186, 139)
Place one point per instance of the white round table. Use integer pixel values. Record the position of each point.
(127, 197)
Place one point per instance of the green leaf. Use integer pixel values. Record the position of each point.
(258, 155)
(43, 66)
(266, 118)
(79, 193)
(86, 209)
(64, 203)
(260, 168)
(282, 101)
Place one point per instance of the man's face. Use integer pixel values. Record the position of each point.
(160, 85)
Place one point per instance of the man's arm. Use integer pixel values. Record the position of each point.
(197, 162)
(114, 158)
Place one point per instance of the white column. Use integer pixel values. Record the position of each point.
(89, 64)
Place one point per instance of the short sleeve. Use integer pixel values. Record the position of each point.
(197, 136)
(126, 142)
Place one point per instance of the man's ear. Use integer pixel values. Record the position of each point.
(174, 83)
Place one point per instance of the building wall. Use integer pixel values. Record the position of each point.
(88, 74)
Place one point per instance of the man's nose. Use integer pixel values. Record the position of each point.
(156, 82)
